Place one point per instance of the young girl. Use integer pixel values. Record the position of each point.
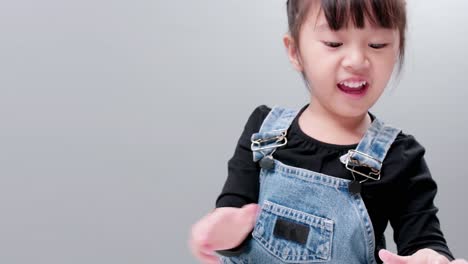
(320, 184)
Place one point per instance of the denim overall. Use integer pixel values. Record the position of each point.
(306, 216)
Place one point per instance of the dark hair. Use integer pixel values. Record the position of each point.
(383, 13)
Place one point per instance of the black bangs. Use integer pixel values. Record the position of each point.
(380, 13)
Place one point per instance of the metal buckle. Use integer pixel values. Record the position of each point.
(351, 167)
(281, 139)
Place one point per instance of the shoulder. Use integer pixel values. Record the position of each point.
(257, 117)
(404, 151)
(404, 161)
(405, 146)
(253, 124)
(262, 112)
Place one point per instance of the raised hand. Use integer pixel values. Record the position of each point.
(224, 228)
(423, 256)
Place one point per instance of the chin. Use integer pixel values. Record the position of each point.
(352, 113)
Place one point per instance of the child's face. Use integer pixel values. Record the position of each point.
(329, 58)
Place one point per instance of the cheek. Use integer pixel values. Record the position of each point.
(384, 67)
(320, 67)
(318, 74)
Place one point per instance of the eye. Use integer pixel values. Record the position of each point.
(378, 46)
(332, 44)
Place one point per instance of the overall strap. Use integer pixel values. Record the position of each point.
(273, 132)
(371, 150)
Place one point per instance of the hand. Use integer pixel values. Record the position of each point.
(423, 256)
(224, 228)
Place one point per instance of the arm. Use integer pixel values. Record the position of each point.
(227, 229)
(413, 216)
(242, 184)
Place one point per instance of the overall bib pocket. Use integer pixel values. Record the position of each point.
(293, 236)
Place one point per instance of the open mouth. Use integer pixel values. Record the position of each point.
(355, 88)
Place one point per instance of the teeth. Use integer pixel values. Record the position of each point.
(353, 84)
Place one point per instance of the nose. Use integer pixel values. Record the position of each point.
(356, 60)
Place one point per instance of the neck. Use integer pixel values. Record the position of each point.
(333, 128)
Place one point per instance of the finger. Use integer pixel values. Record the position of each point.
(459, 261)
(198, 236)
(206, 229)
(208, 258)
(249, 213)
(427, 255)
(199, 246)
(439, 259)
(203, 253)
(251, 208)
(391, 258)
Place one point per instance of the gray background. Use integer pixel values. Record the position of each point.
(117, 118)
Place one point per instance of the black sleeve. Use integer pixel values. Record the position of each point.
(242, 183)
(413, 216)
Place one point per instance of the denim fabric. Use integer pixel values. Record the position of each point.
(375, 144)
(275, 124)
(306, 216)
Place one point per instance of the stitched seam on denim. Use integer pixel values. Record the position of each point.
(316, 258)
(355, 203)
(294, 257)
(311, 177)
(299, 216)
(316, 179)
(325, 225)
(330, 244)
(277, 253)
(352, 201)
(369, 228)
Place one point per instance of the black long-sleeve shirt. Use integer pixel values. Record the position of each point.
(404, 195)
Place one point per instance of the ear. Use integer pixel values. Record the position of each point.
(293, 52)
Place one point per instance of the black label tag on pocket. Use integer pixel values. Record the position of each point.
(292, 231)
